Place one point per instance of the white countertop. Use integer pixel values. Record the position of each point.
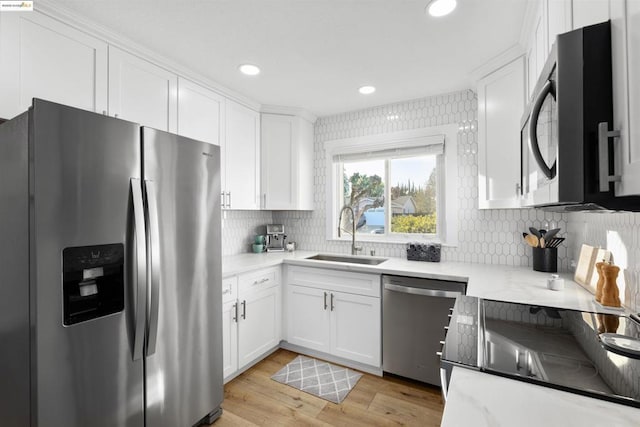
(478, 399)
(497, 282)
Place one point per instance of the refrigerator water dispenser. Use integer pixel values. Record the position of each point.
(93, 282)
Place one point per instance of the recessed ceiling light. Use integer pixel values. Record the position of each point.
(367, 90)
(249, 69)
(439, 8)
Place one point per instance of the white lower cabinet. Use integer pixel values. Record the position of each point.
(341, 324)
(251, 318)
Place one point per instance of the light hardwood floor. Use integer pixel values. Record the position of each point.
(254, 398)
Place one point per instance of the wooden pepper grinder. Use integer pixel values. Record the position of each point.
(600, 284)
(610, 292)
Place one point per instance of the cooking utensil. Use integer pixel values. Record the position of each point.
(524, 235)
(555, 242)
(551, 234)
(532, 240)
(541, 242)
(535, 232)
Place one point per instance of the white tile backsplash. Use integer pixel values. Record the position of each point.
(484, 236)
(618, 232)
(491, 237)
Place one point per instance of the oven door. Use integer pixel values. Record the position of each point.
(539, 146)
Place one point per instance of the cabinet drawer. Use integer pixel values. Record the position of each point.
(229, 289)
(258, 280)
(335, 280)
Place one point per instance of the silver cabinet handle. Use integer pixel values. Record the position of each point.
(332, 306)
(603, 156)
(141, 268)
(222, 200)
(244, 309)
(226, 291)
(153, 256)
(421, 291)
(264, 197)
(115, 115)
(256, 282)
(229, 194)
(439, 353)
(325, 300)
(235, 310)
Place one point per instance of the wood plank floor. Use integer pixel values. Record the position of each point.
(254, 399)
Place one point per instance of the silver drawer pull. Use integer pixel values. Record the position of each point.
(257, 282)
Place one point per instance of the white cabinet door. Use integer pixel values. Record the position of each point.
(558, 15)
(625, 41)
(287, 162)
(229, 338)
(356, 328)
(142, 92)
(501, 100)
(200, 112)
(258, 325)
(308, 317)
(537, 48)
(241, 156)
(589, 12)
(44, 58)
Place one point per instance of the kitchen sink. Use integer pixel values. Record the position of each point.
(348, 259)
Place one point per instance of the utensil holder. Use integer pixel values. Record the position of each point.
(545, 259)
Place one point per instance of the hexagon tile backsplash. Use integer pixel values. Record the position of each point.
(491, 237)
(484, 236)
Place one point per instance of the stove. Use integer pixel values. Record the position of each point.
(593, 354)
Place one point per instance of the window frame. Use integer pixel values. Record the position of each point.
(446, 165)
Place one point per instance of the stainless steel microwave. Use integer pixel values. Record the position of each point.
(566, 145)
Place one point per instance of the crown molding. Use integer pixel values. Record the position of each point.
(289, 111)
(68, 17)
(509, 55)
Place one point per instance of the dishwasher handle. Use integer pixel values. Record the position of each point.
(422, 291)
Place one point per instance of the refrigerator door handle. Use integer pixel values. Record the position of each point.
(153, 268)
(140, 274)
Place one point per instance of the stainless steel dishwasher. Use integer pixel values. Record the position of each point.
(415, 313)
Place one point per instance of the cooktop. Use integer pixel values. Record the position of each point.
(583, 352)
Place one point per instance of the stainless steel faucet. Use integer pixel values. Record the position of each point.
(354, 248)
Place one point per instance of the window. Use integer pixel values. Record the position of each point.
(396, 188)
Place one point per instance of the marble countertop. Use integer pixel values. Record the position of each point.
(497, 282)
(478, 399)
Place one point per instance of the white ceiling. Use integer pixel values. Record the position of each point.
(314, 54)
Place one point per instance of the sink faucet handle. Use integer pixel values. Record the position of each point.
(357, 249)
(372, 252)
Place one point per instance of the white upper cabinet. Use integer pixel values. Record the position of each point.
(558, 14)
(625, 34)
(142, 92)
(589, 12)
(241, 158)
(287, 162)
(501, 100)
(200, 113)
(43, 58)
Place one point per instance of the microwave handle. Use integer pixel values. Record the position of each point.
(547, 89)
(603, 155)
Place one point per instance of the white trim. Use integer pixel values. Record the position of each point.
(498, 61)
(289, 111)
(449, 224)
(71, 18)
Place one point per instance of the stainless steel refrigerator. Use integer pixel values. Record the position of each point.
(110, 270)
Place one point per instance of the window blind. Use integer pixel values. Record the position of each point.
(434, 146)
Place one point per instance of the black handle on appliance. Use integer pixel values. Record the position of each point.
(547, 89)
